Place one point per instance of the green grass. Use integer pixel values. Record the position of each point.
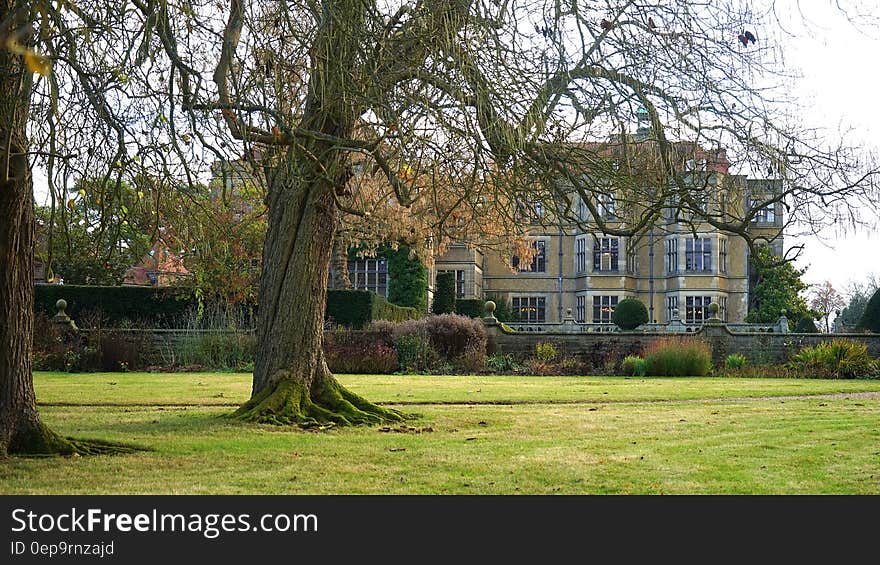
(234, 388)
(600, 437)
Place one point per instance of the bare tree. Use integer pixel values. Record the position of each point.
(825, 300)
(512, 103)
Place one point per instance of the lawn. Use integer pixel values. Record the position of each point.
(474, 435)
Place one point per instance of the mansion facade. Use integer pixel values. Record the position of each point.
(677, 269)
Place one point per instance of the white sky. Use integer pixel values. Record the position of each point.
(839, 91)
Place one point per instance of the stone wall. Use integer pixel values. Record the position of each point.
(595, 347)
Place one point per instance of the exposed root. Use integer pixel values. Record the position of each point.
(40, 441)
(291, 402)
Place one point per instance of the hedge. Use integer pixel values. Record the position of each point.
(471, 307)
(165, 306)
(357, 308)
(157, 306)
(444, 293)
(870, 320)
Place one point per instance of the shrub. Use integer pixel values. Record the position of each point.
(407, 279)
(453, 335)
(634, 366)
(676, 356)
(373, 359)
(629, 314)
(735, 361)
(502, 363)
(414, 352)
(546, 352)
(444, 293)
(473, 360)
(471, 307)
(806, 325)
(837, 359)
(870, 319)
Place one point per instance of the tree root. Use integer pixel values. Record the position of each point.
(40, 441)
(291, 402)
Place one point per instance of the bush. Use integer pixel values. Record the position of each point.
(806, 325)
(837, 359)
(546, 352)
(735, 361)
(444, 293)
(678, 357)
(473, 360)
(414, 351)
(408, 279)
(453, 335)
(634, 366)
(870, 320)
(422, 345)
(374, 359)
(502, 363)
(471, 307)
(629, 314)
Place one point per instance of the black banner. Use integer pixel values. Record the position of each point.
(288, 529)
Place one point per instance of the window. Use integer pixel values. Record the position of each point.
(580, 254)
(632, 262)
(530, 211)
(607, 206)
(603, 309)
(580, 311)
(606, 252)
(459, 282)
(369, 274)
(672, 255)
(764, 215)
(722, 308)
(539, 261)
(702, 200)
(672, 308)
(697, 309)
(582, 210)
(530, 308)
(698, 254)
(722, 255)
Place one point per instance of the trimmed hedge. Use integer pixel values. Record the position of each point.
(471, 307)
(164, 306)
(870, 320)
(158, 306)
(357, 308)
(444, 293)
(629, 314)
(806, 325)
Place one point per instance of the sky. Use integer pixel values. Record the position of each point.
(838, 92)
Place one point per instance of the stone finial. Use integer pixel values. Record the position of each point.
(489, 311)
(61, 317)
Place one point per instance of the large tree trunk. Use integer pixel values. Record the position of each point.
(292, 383)
(21, 431)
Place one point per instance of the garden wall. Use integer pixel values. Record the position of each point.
(758, 348)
